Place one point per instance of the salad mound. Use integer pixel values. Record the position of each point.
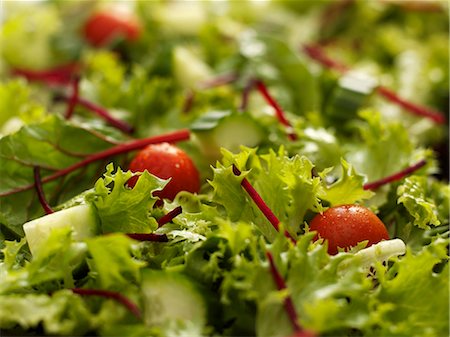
(251, 168)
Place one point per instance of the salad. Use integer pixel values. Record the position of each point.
(231, 168)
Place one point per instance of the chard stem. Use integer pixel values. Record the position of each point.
(262, 88)
(169, 216)
(132, 307)
(40, 190)
(260, 203)
(152, 237)
(394, 177)
(288, 304)
(133, 145)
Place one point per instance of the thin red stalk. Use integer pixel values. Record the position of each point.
(278, 110)
(260, 203)
(419, 110)
(58, 75)
(246, 93)
(152, 237)
(132, 307)
(169, 216)
(188, 101)
(394, 177)
(73, 98)
(288, 304)
(40, 190)
(218, 81)
(172, 137)
(317, 53)
(103, 113)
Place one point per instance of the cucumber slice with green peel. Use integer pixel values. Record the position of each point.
(227, 129)
(172, 297)
(189, 70)
(82, 219)
(352, 92)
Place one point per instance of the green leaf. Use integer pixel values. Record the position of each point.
(122, 209)
(413, 296)
(61, 313)
(348, 189)
(112, 264)
(54, 263)
(426, 200)
(50, 145)
(384, 149)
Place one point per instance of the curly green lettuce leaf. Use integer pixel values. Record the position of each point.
(348, 189)
(384, 149)
(112, 263)
(412, 297)
(53, 264)
(285, 184)
(62, 313)
(124, 209)
(426, 200)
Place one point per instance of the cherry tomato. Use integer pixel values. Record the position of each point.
(346, 225)
(167, 161)
(103, 26)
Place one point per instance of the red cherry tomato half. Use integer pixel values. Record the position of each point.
(167, 161)
(347, 225)
(103, 26)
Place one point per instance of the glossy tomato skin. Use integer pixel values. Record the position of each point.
(103, 26)
(346, 225)
(167, 161)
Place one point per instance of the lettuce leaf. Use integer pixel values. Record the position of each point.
(426, 200)
(53, 264)
(124, 209)
(413, 295)
(48, 144)
(112, 264)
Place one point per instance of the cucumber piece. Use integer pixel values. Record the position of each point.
(226, 129)
(351, 94)
(82, 219)
(189, 70)
(171, 297)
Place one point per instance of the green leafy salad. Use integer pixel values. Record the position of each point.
(224, 168)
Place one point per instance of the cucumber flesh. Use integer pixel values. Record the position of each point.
(189, 69)
(226, 129)
(82, 219)
(172, 297)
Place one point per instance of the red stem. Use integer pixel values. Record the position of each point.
(169, 216)
(188, 101)
(423, 111)
(288, 304)
(132, 307)
(260, 203)
(279, 112)
(103, 113)
(218, 81)
(246, 93)
(59, 75)
(152, 237)
(394, 177)
(40, 190)
(317, 53)
(73, 98)
(172, 137)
